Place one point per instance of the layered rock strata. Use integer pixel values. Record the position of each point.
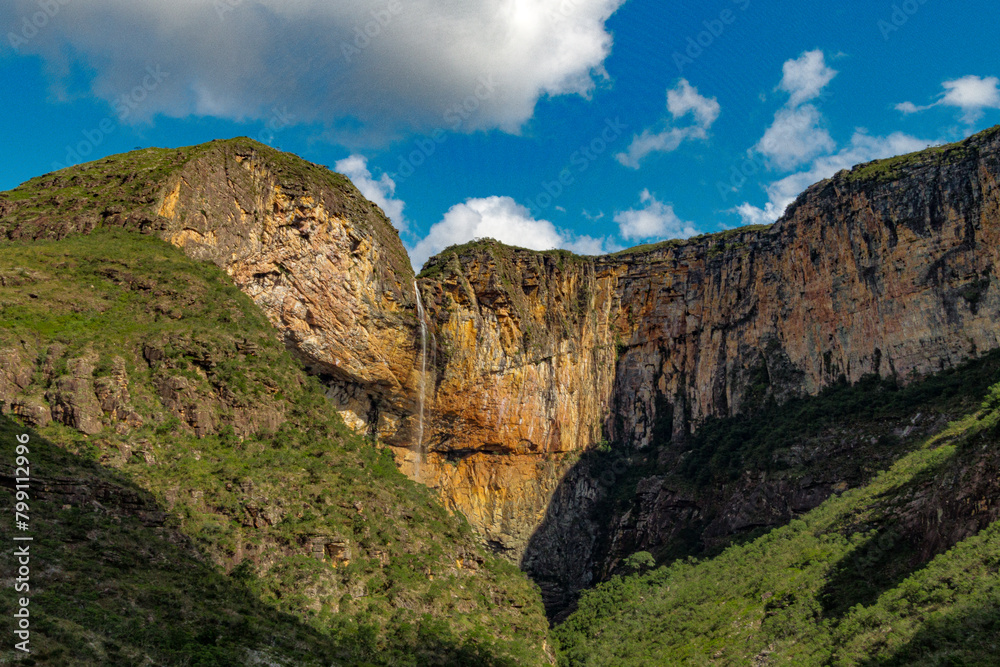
(886, 269)
(535, 357)
(324, 264)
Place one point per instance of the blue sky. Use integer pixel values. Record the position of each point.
(586, 124)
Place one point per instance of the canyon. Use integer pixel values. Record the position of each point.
(531, 359)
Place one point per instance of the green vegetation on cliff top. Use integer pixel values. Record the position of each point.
(124, 181)
(110, 190)
(497, 250)
(894, 168)
(219, 432)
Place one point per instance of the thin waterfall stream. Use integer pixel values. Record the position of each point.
(423, 382)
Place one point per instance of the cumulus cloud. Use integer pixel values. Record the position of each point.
(971, 94)
(505, 220)
(797, 134)
(805, 77)
(863, 148)
(379, 190)
(654, 220)
(795, 137)
(377, 66)
(682, 100)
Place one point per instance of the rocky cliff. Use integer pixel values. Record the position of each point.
(884, 269)
(324, 264)
(185, 467)
(533, 358)
(522, 372)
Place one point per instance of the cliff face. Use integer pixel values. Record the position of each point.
(520, 373)
(869, 272)
(323, 263)
(534, 357)
(886, 269)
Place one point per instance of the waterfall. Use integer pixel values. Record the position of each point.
(423, 381)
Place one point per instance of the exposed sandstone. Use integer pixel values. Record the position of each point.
(322, 262)
(73, 399)
(872, 271)
(887, 269)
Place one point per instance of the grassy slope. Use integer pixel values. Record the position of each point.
(841, 585)
(401, 599)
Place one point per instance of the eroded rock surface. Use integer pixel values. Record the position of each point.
(535, 357)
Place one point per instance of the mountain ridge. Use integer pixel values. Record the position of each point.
(539, 357)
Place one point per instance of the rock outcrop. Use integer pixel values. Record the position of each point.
(323, 263)
(523, 368)
(884, 269)
(535, 357)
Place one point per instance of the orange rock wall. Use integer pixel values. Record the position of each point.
(538, 355)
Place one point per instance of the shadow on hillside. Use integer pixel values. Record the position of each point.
(877, 565)
(659, 501)
(112, 582)
(959, 638)
(927, 515)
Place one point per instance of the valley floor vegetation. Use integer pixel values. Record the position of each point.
(901, 570)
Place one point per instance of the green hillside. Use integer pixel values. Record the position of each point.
(899, 571)
(194, 474)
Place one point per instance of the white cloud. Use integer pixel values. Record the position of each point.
(682, 100)
(377, 66)
(804, 78)
(380, 191)
(505, 220)
(795, 137)
(655, 142)
(797, 134)
(909, 107)
(654, 220)
(863, 148)
(971, 94)
(588, 245)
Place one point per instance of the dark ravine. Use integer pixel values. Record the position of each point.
(539, 357)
